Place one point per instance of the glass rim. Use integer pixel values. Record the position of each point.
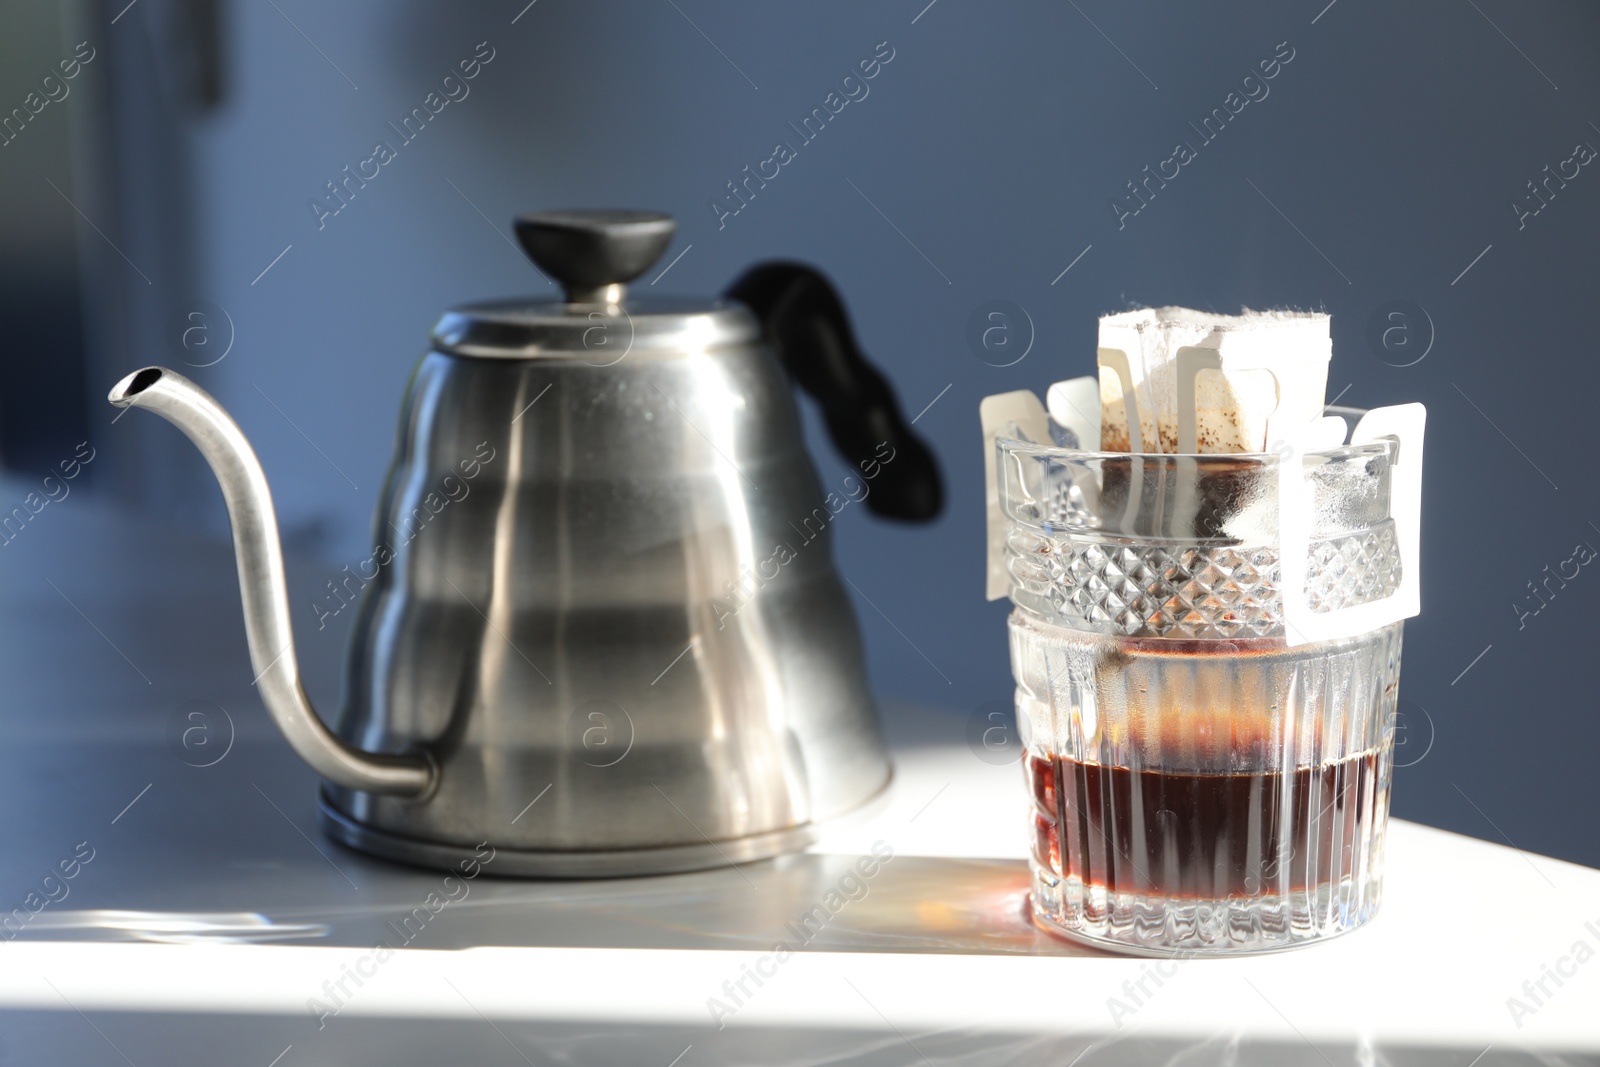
(1243, 459)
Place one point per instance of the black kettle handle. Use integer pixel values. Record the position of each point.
(806, 326)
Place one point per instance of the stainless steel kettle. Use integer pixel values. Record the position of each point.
(602, 630)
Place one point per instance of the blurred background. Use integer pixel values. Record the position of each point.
(1419, 170)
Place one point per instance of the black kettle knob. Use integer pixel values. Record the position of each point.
(594, 253)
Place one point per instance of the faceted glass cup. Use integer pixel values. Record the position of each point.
(1200, 784)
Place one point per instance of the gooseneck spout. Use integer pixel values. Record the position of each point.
(261, 582)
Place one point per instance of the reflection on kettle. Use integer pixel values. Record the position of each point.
(626, 650)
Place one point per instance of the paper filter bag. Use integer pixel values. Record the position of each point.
(1246, 373)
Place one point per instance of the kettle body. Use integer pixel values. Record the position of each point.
(600, 629)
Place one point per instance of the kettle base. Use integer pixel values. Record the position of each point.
(593, 863)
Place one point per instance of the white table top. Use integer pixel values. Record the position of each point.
(213, 910)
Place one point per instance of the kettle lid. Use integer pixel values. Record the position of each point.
(592, 255)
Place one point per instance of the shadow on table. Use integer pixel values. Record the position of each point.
(820, 902)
